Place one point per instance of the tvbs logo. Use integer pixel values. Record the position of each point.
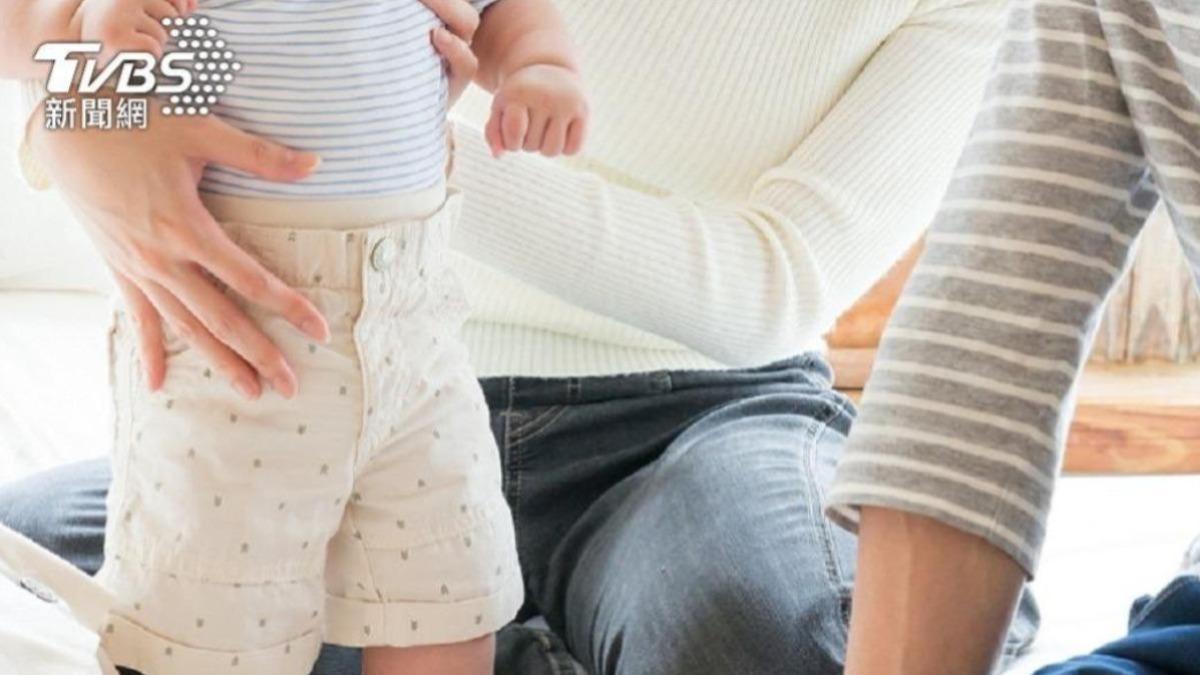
(192, 74)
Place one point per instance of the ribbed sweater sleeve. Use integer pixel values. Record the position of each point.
(28, 97)
(749, 281)
(1089, 114)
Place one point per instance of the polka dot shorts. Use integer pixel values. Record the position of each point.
(365, 511)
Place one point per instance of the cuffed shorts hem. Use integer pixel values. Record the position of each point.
(133, 646)
(363, 623)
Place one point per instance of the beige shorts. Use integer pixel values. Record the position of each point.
(366, 511)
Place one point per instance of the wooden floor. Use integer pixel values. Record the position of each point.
(1129, 419)
(1137, 419)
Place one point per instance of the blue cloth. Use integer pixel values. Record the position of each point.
(1163, 639)
(668, 523)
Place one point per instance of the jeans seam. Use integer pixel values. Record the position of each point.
(513, 468)
(835, 576)
(512, 454)
(533, 428)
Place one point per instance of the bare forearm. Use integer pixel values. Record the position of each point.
(26, 24)
(928, 599)
(517, 33)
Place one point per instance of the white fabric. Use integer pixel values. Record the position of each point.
(50, 613)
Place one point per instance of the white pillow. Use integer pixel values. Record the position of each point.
(42, 247)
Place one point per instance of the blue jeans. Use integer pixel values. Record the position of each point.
(668, 523)
(1164, 638)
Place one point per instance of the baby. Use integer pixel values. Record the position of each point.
(367, 510)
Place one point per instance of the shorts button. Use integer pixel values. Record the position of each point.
(383, 254)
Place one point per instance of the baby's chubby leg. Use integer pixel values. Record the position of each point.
(460, 658)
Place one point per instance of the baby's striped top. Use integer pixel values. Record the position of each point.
(356, 81)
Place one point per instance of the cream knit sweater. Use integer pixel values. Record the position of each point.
(752, 168)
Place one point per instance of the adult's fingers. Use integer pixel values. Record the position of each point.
(458, 15)
(244, 274)
(461, 62)
(230, 325)
(216, 141)
(239, 374)
(148, 324)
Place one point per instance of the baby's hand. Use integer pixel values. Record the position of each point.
(539, 108)
(129, 25)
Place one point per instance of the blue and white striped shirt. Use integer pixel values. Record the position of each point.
(356, 81)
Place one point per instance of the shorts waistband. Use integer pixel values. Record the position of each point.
(307, 257)
(326, 214)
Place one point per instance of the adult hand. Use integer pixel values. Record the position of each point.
(135, 193)
(453, 41)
